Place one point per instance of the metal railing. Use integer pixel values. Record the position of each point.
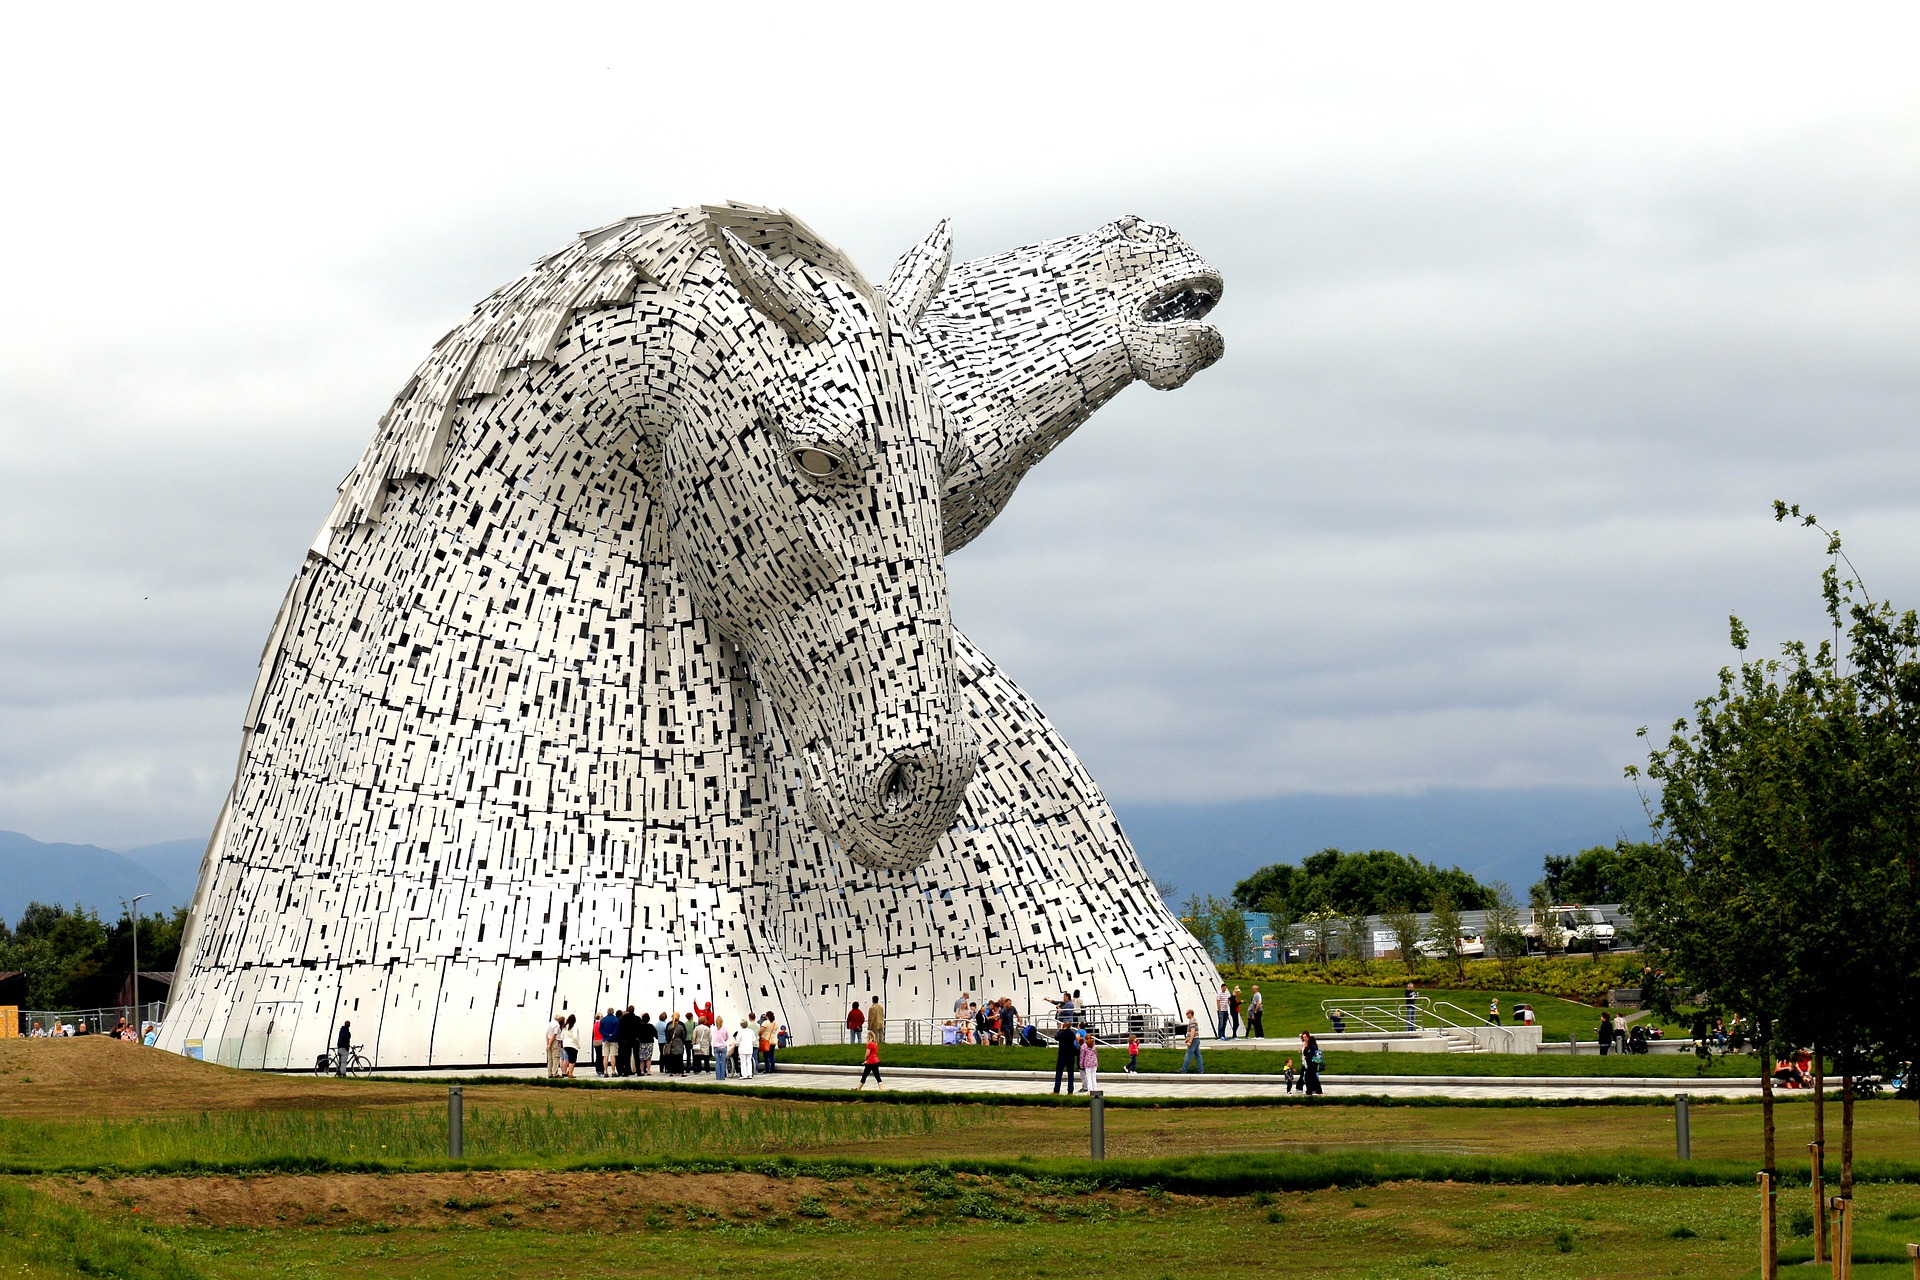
(1423, 1014)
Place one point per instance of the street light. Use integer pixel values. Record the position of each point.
(134, 916)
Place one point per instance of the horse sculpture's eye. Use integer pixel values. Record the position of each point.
(819, 464)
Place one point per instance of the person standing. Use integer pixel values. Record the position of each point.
(1311, 1060)
(648, 1037)
(1065, 1058)
(1009, 1029)
(1089, 1063)
(702, 1045)
(1193, 1047)
(1606, 1035)
(1133, 1055)
(720, 1048)
(1257, 1016)
(769, 1040)
(1220, 1011)
(877, 1018)
(856, 1024)
(748, 1040)
(1288, 1072)
(629, 1040)
(554, 1058)
(871, 1067)
(1412, 1020)
(1233, 1007)
(609, 1039)
(343, 1048)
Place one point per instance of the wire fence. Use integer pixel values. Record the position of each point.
(89, 1021)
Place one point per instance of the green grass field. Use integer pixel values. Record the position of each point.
(1223, 1060)
(1293, 1007)
(939, 1227)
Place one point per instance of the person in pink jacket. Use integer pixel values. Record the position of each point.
(1089, 1062)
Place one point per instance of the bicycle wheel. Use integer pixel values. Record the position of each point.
(359, 1066)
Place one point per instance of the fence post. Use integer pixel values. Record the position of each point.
(1843, 1238)
(1097, 1122)
(456, 1124)
(1682, 1129)
(1769, 1262)
(1817, 1151)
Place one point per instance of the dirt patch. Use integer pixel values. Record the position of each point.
(575, 1201)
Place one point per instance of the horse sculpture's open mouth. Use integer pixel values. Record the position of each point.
(1189, 299)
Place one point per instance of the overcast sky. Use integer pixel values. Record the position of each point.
(1530, 312)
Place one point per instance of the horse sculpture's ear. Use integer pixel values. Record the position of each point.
(917, 277)
(775, 291)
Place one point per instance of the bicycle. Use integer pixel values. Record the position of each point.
(328, 1063)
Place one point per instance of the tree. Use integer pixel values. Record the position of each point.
(1198, 917)
(1280, 922)
(1545, 924)
(1317, 933)
(1404, 925)
(1786, 879)
(1356, 940)
(1229, 925)
(1359, 883)
(1444, 932)
(74, 961)
(1505, 937)
(1591, 875)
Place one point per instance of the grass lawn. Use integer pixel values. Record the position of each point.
(933, 1227)
(1221, 1059)
(1293, 1007)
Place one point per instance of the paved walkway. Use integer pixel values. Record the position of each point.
(1121, 1085)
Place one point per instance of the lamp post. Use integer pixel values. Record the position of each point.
(133, 915)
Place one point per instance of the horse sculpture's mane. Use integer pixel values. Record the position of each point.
(519, 324)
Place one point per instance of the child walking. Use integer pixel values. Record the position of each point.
(872, 1067)
(1289, 1074)
(1133, 1055)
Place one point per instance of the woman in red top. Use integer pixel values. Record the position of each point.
(873, 1064)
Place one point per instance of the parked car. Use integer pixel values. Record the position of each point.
(1581, 929)
(1472, 946)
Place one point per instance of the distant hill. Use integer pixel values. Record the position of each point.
(176, 863)
(1492, 834)
(77, 875)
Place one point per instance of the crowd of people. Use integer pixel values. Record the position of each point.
(628, 1043)
(146, 1033)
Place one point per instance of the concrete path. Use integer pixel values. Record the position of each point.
(1121, 1085)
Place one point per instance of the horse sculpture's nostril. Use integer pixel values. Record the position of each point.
(896, 789)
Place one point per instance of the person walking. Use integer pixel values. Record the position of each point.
(1287, 1071)
(1089, 1063)
(721, 1044)
(1606, 1035)
(1193, 1047)
(871, 1067)
(1133, 1055)
(342, 1048)
(1311, 1060)
(1220, 1011)
(1493, 1010)
(877, 1018)
(1009, 1022)
(1257, 1016)
(856, 1024)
